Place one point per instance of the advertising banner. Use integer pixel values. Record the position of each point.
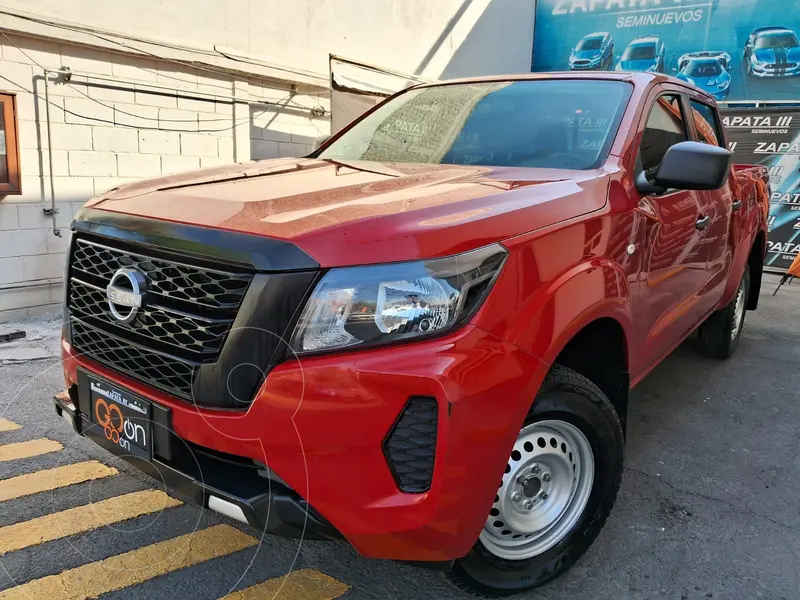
(771, 137)
(733, 49)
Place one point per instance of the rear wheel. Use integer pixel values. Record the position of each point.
(556, 493)
(720, 333)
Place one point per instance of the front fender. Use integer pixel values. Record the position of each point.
(585, 293)
(544, 297)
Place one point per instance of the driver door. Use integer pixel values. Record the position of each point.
(674, 261)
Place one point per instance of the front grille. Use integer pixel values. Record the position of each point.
(161, 371)
(185, 332)
(410, 447)
(175, 281)
(189, 307)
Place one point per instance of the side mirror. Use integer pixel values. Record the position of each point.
(318, 141)
(692, 166)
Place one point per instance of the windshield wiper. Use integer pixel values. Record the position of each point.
(358, 167)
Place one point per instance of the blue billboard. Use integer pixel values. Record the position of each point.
(771, 137)
(733, 49)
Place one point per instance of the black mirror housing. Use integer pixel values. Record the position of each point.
(694, 166)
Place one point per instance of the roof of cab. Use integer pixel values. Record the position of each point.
(638, 79)
(635, 78)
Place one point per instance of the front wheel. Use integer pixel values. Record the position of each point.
(557, 490)
(720, 333)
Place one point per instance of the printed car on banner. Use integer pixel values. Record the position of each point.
(708, 71)
(771, 137)
(594, 51)
(732, 49)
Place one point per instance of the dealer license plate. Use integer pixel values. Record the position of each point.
(123, 418)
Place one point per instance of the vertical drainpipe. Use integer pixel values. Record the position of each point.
(56, 231)
(241, 122)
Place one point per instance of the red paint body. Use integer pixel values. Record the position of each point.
(320, 426)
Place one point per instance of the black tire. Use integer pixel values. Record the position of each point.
(716, 332)
(567, 396)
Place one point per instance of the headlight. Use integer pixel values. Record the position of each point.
(723, 84)
(378, 304)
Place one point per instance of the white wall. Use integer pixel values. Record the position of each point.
(134, 118)
(153, 118)
(434, 38)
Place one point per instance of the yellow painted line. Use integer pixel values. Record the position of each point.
(28, 449)
(305, 584)
(137, 566)
(83, 518)
(6, 425)
(51, 479)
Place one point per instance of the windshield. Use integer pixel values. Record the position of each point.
(781, 40)
(704, 68)
(560, 124)
(590, 44)
(641, 52)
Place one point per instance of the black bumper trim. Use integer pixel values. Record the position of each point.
(279, 511)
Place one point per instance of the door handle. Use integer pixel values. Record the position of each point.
(737, 204)
(702, 223)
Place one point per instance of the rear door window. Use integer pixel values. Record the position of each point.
(706, 124)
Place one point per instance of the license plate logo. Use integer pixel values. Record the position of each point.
(123, 420)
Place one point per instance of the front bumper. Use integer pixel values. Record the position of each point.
(773, 73)
(213, 481)
(320, 424)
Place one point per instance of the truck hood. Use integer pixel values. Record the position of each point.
(349, 213)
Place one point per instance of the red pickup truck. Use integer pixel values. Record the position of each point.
(421, 337)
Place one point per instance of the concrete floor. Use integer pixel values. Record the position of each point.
(709, 504)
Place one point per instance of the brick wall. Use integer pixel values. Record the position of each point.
(288, 130)
(127, 119)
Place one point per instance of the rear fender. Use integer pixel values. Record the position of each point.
(750, 227)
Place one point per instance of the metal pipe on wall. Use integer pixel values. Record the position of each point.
(56, 231)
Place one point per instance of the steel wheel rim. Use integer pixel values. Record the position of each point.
(738, 311)
(544, 491)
